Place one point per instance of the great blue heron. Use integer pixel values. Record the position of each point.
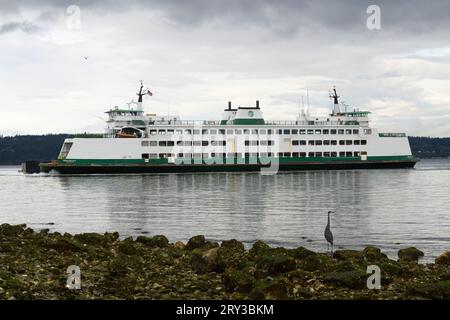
(328, 234)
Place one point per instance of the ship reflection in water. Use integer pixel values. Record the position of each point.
(386, 208)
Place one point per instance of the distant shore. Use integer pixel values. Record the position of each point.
(34, 265)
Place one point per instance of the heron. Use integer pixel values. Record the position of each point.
(328, 234)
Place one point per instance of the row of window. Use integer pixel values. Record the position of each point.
(329, 142)
(331, 154)
(254, 143)
(257, 131)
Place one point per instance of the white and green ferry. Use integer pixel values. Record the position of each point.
(136, 142)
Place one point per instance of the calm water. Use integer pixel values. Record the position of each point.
(387, 208)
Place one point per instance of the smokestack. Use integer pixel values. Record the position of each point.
(229, 105)
(257, 104)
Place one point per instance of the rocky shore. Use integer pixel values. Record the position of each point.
(33, 265)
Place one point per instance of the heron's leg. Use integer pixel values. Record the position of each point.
(328, 247)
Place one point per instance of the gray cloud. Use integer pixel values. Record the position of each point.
(281, 16)
(24, 26)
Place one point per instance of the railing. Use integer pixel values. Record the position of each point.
(267, 123)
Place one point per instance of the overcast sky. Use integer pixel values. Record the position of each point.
(196, 55)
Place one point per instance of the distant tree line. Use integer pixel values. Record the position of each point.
(17, 149)
(427, 147)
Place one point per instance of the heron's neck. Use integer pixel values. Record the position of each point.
(328, 219)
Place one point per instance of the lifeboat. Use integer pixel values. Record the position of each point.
(129, 132)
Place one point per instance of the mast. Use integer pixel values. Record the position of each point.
(335, 97)
(141, 94)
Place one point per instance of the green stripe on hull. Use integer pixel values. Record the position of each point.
(281, 160)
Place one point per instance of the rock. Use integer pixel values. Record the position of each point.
(179, 245)
(127, 247)
(207, 261)
(269, 289)
(64, 244)
(437, 290)
(233, 244)
(259, 248)
(300, 253)
(275, 264)
(158, 241)
(348, 255)
(409, 254)
(196, 242)
(316, 262)
(443, 259)
(355, 279)
(111, 237)
(238, 280)
(12, 230)
(91, 238)
(373, 254)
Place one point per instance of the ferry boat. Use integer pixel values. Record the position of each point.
(136, 142)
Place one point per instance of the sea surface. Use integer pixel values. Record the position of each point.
(391, 209)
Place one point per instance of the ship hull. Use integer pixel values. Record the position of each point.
(197, 168)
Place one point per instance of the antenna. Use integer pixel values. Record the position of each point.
(307, 102)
